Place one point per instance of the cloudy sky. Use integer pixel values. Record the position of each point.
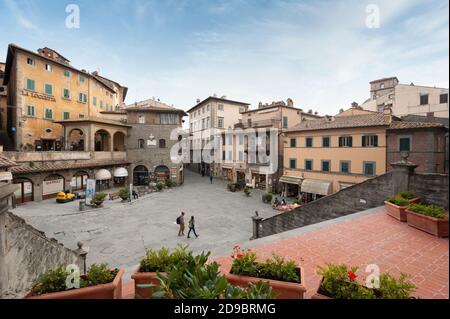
(319, 53)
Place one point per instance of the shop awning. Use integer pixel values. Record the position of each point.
(120, 172)
(291, 180)
(103, 175)
(346, 185)
(315, 186)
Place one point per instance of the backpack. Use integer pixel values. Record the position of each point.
(178, 220)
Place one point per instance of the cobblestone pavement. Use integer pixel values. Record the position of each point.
(118, 233)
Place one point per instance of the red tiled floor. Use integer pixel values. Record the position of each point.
(373, 239)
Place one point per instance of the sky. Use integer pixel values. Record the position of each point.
(322, 54)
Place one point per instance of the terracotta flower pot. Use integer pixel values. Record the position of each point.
(322, 295)
(112, 290)
(283, 289)
(435, 226)
(398, 212)
(144, 278)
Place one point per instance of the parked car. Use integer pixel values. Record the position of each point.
(64, 197)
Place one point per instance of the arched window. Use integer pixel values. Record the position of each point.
(162, 143)
(141, 143)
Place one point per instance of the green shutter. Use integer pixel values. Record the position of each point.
(48, 89)
(31, 85)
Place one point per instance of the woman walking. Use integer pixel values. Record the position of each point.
(192, 227)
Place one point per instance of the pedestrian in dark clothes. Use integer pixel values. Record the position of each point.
(192, 227)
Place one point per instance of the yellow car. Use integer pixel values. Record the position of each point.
(65, 197)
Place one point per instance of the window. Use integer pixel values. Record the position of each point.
(382, 86)
(241, 156)
(82, 98)
(94, 101)
(48, 68)
(220, 107)
(424, 99)
(203, 124)
(249, 122)
(48, 114)
(230, 155)
(141, 119)
(326, 166)
(203, 110)
(67, 73)
(345, 167)
(168, 119)
(285, 122)
(48, 88)
(293, 142)
(369, 168)
(308, 165)
(405, 144)
(241, 139)
(220, 122)
(31, 110)
(81, 116)
(309, 142)
(293, 163)
(326, 141)
(66, 115)
(346, 141)
(81, 78)
(208, 107)
(370, 141)
(31, 62)
(443, 98)
(208, 124)
(66, 94)
(141, 143)
(31, 85)
(101, 104)
(380, 108)
(162, 143)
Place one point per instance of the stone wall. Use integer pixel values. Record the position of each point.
(368, 194)
(432, 187)
(26, 253)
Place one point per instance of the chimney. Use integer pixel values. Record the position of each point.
(355, 105)
(290, 102)
(341, 111)
(310, 111)
(198, 101)
(387, 109)
(95, 73)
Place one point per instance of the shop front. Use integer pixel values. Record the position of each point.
(313, 189)
(120, 177)
(51, 186)
(291, 186)
(103, 179)
(227, 174)
(24, 193)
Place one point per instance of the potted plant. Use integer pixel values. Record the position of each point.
(429, 218)
(159, 186)
(100, 282)
(285, 277)
(396, 205)
(340, 282)
(124, 194)
(169, 183)
(196, 278)
(153, 263)
(232, 187)
(247, 191)
(267, 198)
(98, 199)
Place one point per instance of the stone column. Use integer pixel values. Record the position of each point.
(83, 254)
(402, 170)
(256, 226)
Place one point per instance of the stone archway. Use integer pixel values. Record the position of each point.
(102, 141)
(140, 176)
(52, 185)
(79, 180)
(25, 193)
(119, 142)
(76, 140)
(162, 173)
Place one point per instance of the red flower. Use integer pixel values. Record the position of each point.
(352, 276)
(240, 256)
(236, 248)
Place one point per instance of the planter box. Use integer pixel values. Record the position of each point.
(113, 290)
(431, 225)
(321, 295)
(398, 212)
(283, 289)
(144, 278)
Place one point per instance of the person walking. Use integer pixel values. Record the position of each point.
(180, 221)
(192, 227)
(211, 177)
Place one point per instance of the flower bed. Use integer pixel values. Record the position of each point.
(396, 205)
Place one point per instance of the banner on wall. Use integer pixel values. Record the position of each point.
(90, 190)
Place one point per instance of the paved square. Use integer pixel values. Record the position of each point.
(118, 233)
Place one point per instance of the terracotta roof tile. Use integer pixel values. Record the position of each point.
(6, 162)
(399, 125)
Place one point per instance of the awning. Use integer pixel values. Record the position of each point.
(291, 180)
(346, 185)
(315, 186)
(120, 172)
(103, 175)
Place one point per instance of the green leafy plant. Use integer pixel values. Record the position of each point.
(275, 268)
(55, 280)
(124, 193)
(267, 198)
(162, 260)
(159, 186)
(169, 183)
(98, 199)
(399, 201)
(232, 187)
(408, 195)
(429, 210)
(340, 282)
(197, 279)
(247, 191)
(296, 202)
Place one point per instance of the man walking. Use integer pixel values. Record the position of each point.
(192, 227)
(180, 221)
(211, 177)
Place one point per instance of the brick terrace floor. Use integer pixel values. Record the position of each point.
(372, 239)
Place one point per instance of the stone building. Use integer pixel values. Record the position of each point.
(407, 99)
(149, 142)
(237, 165)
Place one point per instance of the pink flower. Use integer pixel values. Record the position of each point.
(236, 248)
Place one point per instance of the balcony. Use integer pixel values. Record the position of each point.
(22, 157)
